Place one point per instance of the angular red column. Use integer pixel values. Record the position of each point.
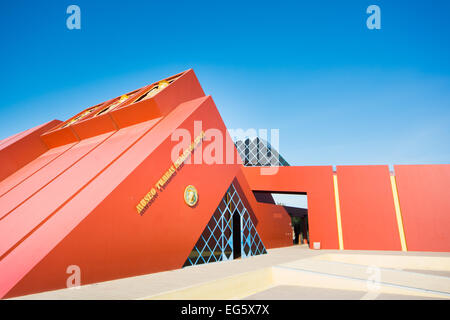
(367, 208)
(424, 196)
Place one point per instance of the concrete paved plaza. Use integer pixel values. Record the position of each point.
(295, 272)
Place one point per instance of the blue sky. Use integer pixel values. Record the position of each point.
(338, 92)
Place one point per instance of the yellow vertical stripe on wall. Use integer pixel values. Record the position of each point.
(398, 214)
(338, 212)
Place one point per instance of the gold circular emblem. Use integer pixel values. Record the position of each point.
(190, 196)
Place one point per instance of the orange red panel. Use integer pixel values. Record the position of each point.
(367, 208)
(21, 149)
(31, 168)
(423, 192)
(317, 183)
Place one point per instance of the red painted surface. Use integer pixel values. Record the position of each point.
(22, 148)
(28, 189)
(317, 182)
(367, 208)
(423, 192)
(31, 168)
(274, 226)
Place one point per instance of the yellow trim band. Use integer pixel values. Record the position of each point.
(398, 214)
(338, 212)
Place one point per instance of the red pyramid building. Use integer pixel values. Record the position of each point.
(74, 201)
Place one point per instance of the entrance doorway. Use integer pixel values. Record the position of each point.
(296, 205)
(300, 229)
(237, 235)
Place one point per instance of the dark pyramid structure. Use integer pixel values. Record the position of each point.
(258, 152)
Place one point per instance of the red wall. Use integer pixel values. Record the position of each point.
(45, 175)
(22, 148)
(367, 208)
(317, 182)
(424, 196)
